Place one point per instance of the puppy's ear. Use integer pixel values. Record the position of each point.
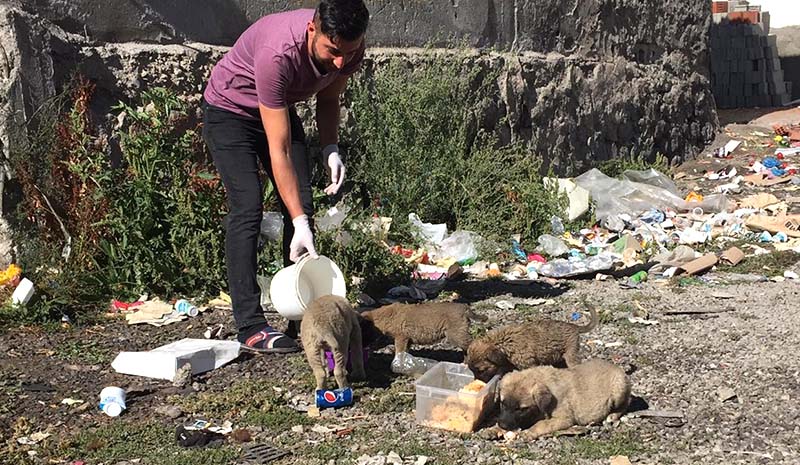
(543, 398)
(500, 360)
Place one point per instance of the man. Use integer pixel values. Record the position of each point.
(281, 59)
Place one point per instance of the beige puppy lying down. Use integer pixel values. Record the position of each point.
(331, 323)
(548, 399)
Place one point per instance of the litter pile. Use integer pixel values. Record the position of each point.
(643, 222)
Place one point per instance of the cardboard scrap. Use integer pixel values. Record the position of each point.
(787, 224)
(732, 256)
(758, 201)
(698, 265)
(762, 179)
(627, 242)
(155, 312)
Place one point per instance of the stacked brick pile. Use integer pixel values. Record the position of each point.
(745, 67)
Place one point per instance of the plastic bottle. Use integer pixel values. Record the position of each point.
(184, 307)
(556, 225)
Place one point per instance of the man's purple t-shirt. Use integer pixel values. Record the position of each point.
(270, 64)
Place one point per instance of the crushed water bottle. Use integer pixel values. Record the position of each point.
(556, 225)
(407, 364)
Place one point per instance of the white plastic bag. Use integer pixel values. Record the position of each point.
(460, 245)
(552, 246)
(640, 191)
(431, 233)
(272, 225)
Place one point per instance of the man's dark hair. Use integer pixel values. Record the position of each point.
(345, 19)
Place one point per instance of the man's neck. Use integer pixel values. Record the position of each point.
(320, 68)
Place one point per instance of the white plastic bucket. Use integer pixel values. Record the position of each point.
(296, 286)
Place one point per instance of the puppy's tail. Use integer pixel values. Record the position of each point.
(594, 320)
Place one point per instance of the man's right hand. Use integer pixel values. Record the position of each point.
(302, 240)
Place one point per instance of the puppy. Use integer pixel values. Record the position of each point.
(547, 399)
(424, 323)
(514, 347)
(330, 323)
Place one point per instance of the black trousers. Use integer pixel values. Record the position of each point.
(237, 145)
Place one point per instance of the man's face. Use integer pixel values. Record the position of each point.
(331, 55)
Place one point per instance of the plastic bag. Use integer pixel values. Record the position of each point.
(552, 246)
(272, 225)
(431, 233)
(460, 245)
(331, 219)
(638, 192)
(407, 364)
(263, 284)
(562, 268)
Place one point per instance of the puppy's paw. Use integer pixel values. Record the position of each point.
(528, 435)
(492, 433)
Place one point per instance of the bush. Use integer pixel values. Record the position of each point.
(89, 231)
(151, 223)
(415, 149)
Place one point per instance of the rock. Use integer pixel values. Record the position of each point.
(620, 460)
(241, 435)
(183, 376)
(726, 394)
(170, 411)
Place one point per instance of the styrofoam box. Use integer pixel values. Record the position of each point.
(441, 405)
(163, 362)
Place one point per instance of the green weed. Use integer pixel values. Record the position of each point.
(416, 147)
(150, 442)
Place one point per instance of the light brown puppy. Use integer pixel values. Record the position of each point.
(330, 323)
(424, 323)
(547, 399)
(514, 347)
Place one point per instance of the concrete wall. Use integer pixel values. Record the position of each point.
(788, 39)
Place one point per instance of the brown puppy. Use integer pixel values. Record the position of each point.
(552, 399)
(330, 323)
(514, 347)
(424, 323)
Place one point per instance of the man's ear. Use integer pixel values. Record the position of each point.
(311, 28)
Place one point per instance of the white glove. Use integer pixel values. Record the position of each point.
(335, 168)
(302, 240)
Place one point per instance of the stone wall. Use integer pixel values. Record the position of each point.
(638, 29)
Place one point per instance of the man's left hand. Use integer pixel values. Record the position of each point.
(335, 167)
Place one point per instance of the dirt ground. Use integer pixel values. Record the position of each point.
(722, 359)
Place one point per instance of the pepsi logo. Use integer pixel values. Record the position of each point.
(329, 396)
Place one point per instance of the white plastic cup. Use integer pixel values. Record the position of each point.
(112, 401)
(23, 293)
(293, 288)
(184, 307)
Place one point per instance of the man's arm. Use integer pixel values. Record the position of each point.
(328, 125)
(328, 111)
(278, 131)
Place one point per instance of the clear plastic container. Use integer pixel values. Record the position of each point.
(441, 403)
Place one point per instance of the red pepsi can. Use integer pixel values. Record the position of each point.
(334, 397)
